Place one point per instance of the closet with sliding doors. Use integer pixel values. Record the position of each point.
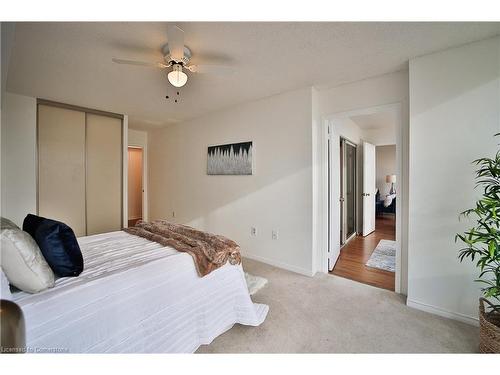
(80, 167)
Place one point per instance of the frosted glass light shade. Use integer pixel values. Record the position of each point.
(390, 178)
(177, 77)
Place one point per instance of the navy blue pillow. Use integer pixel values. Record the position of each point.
(57, 243)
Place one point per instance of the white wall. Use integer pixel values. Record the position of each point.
(373, 92)
(455, 110)
(380, 136)
(18, 157)
(137, 138)
(277, 196)
(348, 129)
(385, 159)
(7, 39)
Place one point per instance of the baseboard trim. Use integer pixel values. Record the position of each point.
(442, 312)
(278, 264)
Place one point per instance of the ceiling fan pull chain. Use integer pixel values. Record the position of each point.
(176, 99)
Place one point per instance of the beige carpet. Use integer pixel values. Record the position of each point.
(329, 314)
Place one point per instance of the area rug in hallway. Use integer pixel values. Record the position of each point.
(254, 283)
(384, 256)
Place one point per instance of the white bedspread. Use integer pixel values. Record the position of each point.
(136, 296)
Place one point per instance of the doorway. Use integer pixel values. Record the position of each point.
(135, 184)
(347, 190)
(363, 225)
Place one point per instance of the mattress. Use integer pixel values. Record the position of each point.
(136, 296)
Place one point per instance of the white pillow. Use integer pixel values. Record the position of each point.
(23, 262)
(4, 287)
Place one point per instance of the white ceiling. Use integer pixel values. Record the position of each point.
(378, 120)
(71, 62)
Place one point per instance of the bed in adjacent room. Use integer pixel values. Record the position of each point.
(136, 296)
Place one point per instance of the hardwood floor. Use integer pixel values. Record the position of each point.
(132, 222)
(354, 255)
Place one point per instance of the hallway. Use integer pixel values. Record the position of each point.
(354, 255)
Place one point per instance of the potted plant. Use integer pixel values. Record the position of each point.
(482, 245)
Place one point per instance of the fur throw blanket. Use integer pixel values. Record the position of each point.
(209, 251)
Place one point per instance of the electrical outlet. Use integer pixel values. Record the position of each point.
(253, 231)
(275, 234)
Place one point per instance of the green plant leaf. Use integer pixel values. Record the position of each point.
(492, 247)
(481, 241)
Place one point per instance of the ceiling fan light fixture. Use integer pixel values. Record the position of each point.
(177, 77)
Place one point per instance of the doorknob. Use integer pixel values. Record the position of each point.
(341, 199)
(365, 194)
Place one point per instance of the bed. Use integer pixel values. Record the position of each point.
(136, 296)
(386, 205)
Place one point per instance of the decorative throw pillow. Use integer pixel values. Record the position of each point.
(23, 263)
(58, 244)
(4, 287)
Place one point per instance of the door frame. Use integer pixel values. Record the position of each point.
(143, 147)
(324, 218)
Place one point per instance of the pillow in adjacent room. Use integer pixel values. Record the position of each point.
(58, 244)
(23, 262)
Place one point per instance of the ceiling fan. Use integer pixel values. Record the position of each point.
(176, 57)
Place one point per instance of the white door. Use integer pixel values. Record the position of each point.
(334, 199)
(369, 189)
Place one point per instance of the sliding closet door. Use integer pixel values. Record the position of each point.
(104, 174)
(61, 166)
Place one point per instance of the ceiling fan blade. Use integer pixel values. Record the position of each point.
(175, 37)
(211, 69)
(140, 63)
